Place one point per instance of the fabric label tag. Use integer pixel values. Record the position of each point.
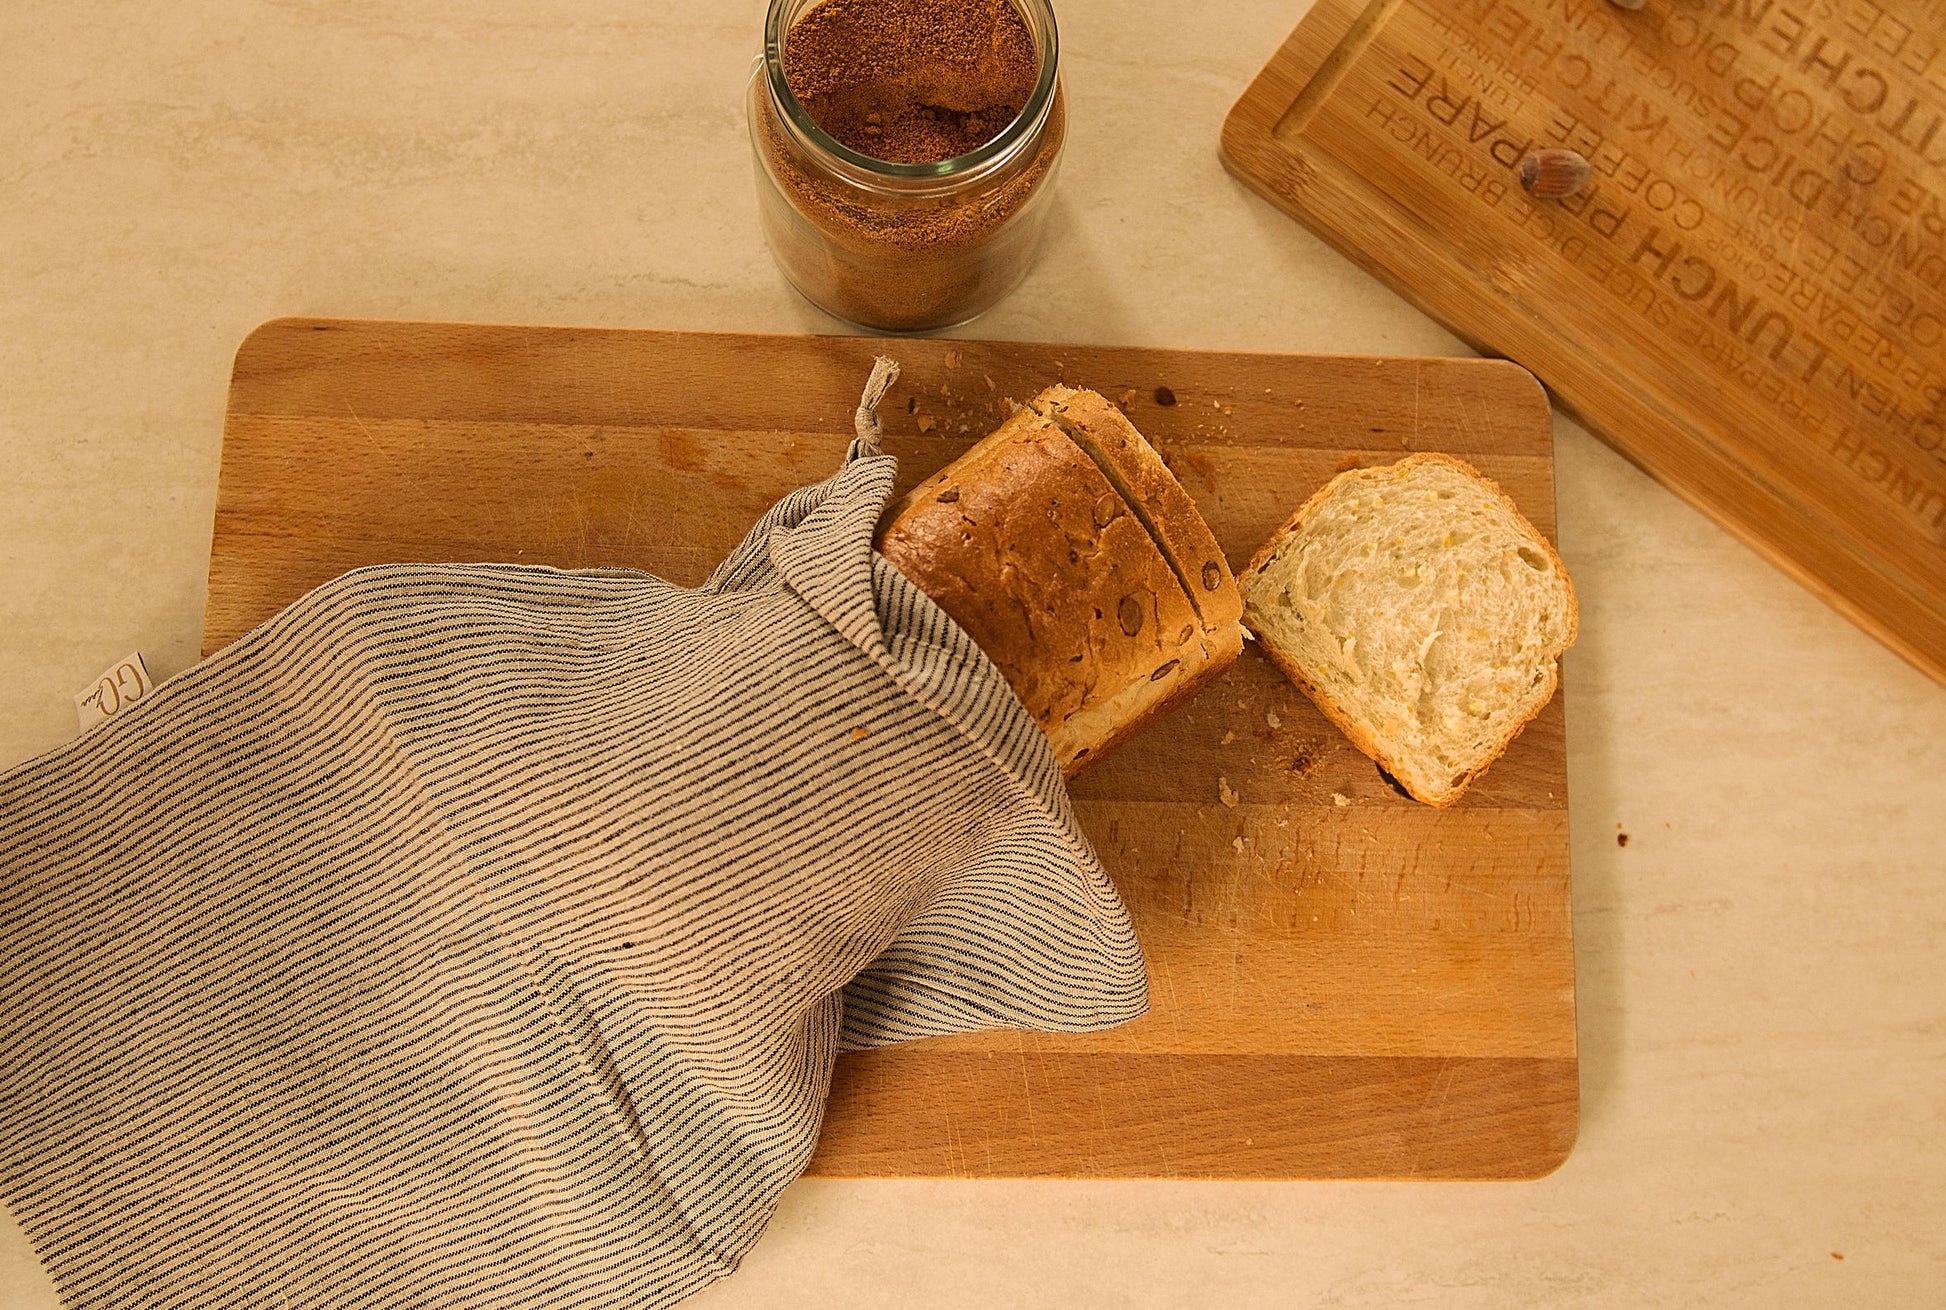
(115, 690)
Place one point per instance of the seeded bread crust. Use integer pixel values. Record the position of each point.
(1439, 792)
(1136, 468)
(1031, 548)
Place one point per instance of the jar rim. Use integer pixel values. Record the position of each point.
(986, 157)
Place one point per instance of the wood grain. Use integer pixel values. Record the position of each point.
(1344, 983)
(1750, 298)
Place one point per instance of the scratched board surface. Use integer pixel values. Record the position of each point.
(1344, 983)
(1750, 297)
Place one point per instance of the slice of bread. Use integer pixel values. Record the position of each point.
(1421, 611)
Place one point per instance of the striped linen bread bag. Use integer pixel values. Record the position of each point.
(485, 935)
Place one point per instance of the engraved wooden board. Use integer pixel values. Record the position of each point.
(1750, 298)
(1355, 987)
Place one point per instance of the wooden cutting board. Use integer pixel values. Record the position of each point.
(1750, 298)
(1345, 983)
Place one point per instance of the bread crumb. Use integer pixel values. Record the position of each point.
(1228, 737)
(952, 359)
(926, 423)
(1226, 793)
(1272, 719)
(1339, 799)
(1238, 843)
(1128, 398)
(859, 734)
(987, 378)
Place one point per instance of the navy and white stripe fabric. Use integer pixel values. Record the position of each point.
(484, 935)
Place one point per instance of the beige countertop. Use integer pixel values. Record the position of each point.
(1761, 970)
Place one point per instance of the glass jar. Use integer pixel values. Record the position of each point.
(903, 247)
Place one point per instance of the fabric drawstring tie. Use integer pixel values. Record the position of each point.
(865, 421)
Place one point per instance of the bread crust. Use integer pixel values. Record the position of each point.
(1138, 471)
(1440, 793)
(1030, 548)
(1127, 719)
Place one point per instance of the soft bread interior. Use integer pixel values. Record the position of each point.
(1423, 611)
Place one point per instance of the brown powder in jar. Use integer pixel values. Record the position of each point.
(893, 254)
(912, 81)
(905, 266)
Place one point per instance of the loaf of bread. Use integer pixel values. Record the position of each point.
(1067, 550)
(1422, 613)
